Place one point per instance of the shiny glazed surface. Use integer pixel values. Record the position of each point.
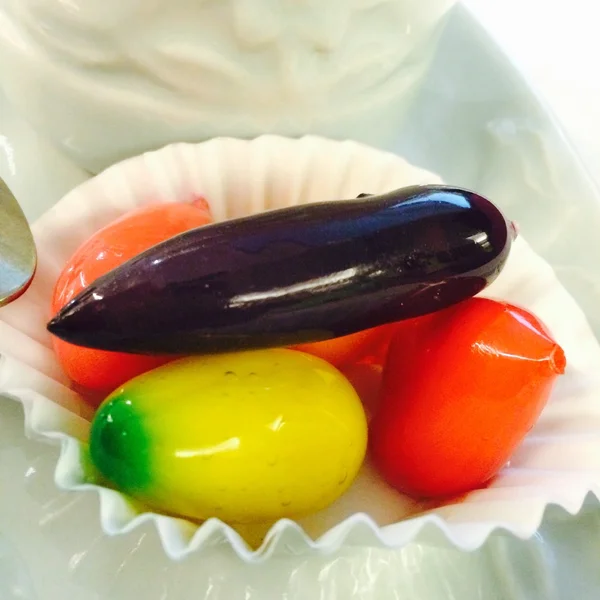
(300, 274)
(110, 247)
(461, 389)
(248, 437)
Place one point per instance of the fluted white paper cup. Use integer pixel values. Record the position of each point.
(558, 463)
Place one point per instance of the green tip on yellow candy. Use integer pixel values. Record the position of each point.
(247, 437)
(119, 444)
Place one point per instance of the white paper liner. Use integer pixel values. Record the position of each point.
(558, 463)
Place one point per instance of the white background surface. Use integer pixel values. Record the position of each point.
(557, 46)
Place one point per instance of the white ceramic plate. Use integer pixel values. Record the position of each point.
(478, 125)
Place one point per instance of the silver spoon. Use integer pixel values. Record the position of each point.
(18, 257)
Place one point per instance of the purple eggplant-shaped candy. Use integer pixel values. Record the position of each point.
(295, 275)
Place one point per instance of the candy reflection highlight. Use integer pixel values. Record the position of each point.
(246, 437)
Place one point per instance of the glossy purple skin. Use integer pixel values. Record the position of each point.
(300, 274)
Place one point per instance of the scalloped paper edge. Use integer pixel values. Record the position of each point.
(166, 173)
